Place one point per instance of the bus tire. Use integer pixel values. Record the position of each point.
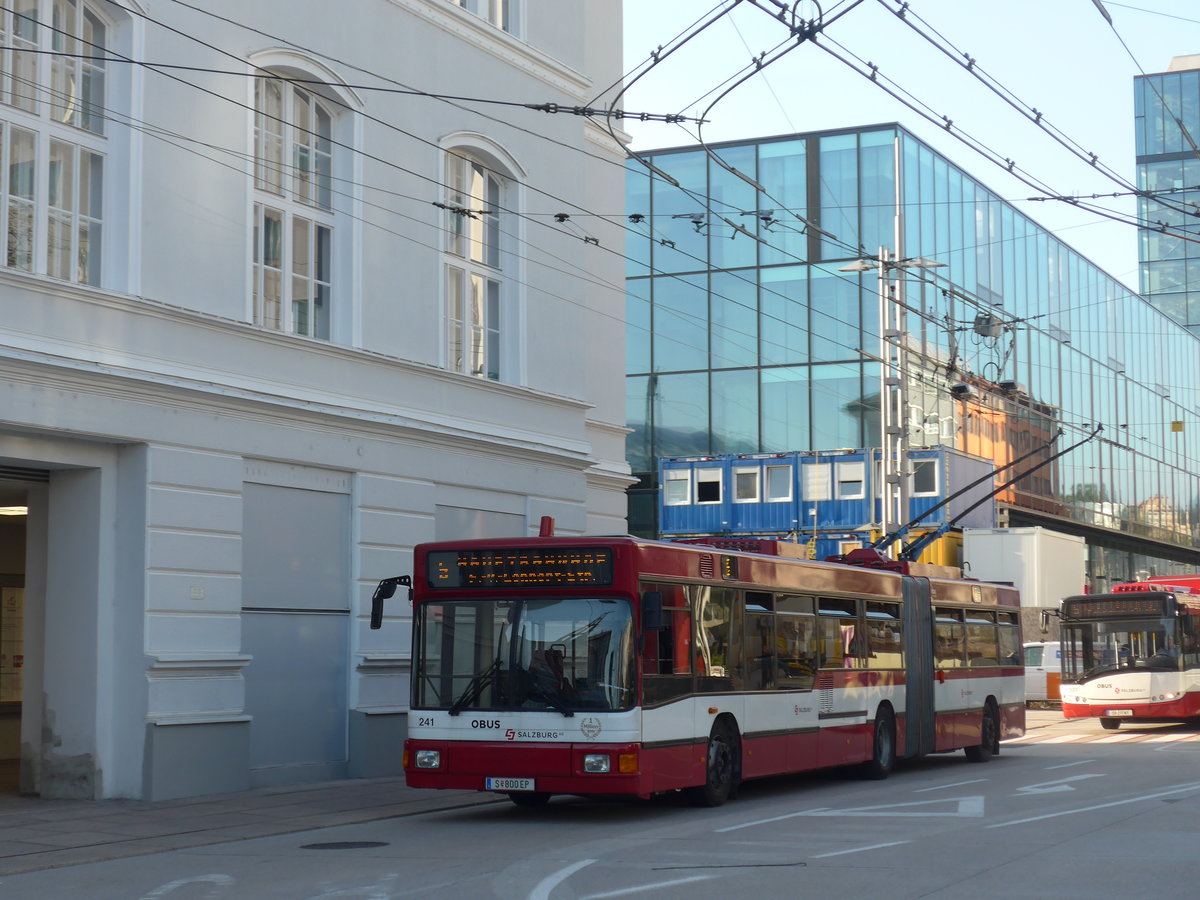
(721, 768)
(883, 746)
(529, 799)
(989, 736)
(1110, 724)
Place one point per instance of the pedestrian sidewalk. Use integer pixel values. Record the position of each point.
(45, 834)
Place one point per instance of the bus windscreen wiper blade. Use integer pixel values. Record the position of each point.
(555, 703)
(475, 688)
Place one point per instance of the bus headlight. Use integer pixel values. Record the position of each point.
(429, 759)
(1170, 695)
(597, 763)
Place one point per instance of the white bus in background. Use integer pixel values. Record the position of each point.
(1042, 658)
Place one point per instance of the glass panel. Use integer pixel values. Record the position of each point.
(493, 330)
(745, 485)
(60, 231)
(637, 325)
(784, 316)
(718, 657)
(681, 414)
(779, 483)
(733, 340)
(91, 115)
(475, 337)
(272, 265)
(735, 411)
(302, 139)
(22, 67)
(782, 170)
(268, 135)
(323, 158)
(301, 273)
(785, 409)
(21, 171)
(64, 96)
(677, 488)
(680, 323)
(455, 319)
(839, 194)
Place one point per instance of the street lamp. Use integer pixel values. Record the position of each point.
(893, 379)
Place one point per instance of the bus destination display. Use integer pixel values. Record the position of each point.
(519, 568)
(1115, 606)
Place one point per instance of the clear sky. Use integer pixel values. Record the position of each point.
(1058, 56)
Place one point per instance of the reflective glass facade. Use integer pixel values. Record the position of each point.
(1168, 167)
(745, 335)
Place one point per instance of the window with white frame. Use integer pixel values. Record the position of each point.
(779, 483)
(924, 477)
(499, 12)
(293, 208)
(746, 485)
(52, 137)
(817, 483)
(708, 485)
(677, 487)
(851, 480)
(475, 286)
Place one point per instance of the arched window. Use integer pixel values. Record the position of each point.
(479, 283)
(53, 144)
(293, 208)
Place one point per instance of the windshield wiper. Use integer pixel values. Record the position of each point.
(475, 688)
(555, 703)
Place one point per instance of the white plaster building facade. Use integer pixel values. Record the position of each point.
(259, 337)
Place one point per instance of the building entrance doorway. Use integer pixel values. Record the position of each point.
(13, 515)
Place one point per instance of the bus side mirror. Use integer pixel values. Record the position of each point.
(652, 611)
(386, 590)
(1045, 617)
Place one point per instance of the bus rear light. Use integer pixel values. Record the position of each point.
(627, 763)
(597, 763)
(429, 759)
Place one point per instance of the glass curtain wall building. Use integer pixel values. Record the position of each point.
(1167, 125)
(746, 335)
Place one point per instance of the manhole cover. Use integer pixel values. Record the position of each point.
(344, 845)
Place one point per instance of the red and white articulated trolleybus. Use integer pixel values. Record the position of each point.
(620, 666)
(1133, 655)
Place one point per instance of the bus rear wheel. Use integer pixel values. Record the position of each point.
(989, 736)
(883, 744)
(1110, 724)
(720, 771)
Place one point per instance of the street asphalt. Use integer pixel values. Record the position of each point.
(38, 834)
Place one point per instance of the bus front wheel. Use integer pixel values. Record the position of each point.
(720, 770)
(883, 753)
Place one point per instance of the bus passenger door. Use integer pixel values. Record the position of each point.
(918, 669)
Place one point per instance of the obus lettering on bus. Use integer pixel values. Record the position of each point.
(485, 723)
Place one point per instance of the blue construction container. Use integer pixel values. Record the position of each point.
(830, 495)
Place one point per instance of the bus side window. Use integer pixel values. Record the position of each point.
(840, 638)
(796, 653)
(667, 651)
(948, 649)
(718, 627)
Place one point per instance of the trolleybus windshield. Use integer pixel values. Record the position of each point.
(560, 654)
(1107, 645)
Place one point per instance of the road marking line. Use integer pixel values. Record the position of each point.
(858, 849)
(1116, 738)
(1065, 738)
(942, 787)
(550, 882)
(647, 887)
(1077, 762)
(1070, 812)
(806, 812)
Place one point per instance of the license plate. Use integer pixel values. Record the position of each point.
(1118, 713)
(508, 784)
